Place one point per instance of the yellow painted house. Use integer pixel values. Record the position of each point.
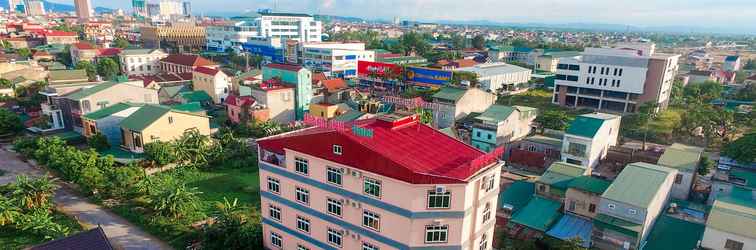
(153, 123)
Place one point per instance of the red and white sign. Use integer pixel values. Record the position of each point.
(365, 68)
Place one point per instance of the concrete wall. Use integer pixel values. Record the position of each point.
(279, 102)
(582, 201)
(716, 239)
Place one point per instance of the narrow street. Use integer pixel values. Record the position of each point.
(122, 234)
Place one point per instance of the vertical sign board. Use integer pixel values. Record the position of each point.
(428, 76)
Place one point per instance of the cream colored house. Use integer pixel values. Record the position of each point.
(153, 123)
(278, 98)
(456, 103)
(213, 81)
(141, 61)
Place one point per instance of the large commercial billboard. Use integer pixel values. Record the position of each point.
(365, 68)
(428, 76)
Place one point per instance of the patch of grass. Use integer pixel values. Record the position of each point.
(538, 98)
(12, 239)
(242, 184)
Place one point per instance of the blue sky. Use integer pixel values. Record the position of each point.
(730, 14)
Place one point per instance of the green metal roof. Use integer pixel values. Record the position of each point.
(450, 93)
(734, 214)
(748, 177)
(102, 113)
(496, 113)
(604, 221)
(196, 96)
(637, 184)
(538, 214)
(145, 116)
(589, 184)
(674, 234)
(245, 91)
(517, 195)
(86, 92)
(172, 91)
(192, 107)
(585, 126)
(545, 140)
(681, 157)
(560, 174)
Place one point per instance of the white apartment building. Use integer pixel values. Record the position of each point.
(336, 59)
(220, 38)
(299, 27)
(617, 79)
(588, 138)
(495, 77)
(141, 61)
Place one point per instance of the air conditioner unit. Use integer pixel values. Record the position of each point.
(354, 236)
(440, 189)
(354, 204)
(359, 205)
(349, 171)
(347, 233)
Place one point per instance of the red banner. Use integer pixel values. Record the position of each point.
(364, 68)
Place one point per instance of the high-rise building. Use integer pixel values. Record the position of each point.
(384, 183)
(35, 8)
(617, 79)
(139, 7)
(292, 26)
(84, 9)
(187, 8)
(176, 37)
(169, 8)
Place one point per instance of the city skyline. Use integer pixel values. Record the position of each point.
(726, 15)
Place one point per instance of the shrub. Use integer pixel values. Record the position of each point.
(99, 142)
(160, 153)
(10, 123)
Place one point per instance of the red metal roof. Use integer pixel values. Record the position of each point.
(207, 71)
(83, 46)
(109, 51)
(318, 77)
(413, 152)
(188, 60)
(234, 100)
(334, 84)
(59, 33)
(287, 67)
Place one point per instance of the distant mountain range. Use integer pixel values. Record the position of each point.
(59, 7)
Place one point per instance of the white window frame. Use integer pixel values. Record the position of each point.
(303, 224)
(611, 206)
(441, 230)
(483, 245)
(274, 212)
(632, 211)
(334, 234)
(305, 194)
(300, 247)
(487, 212)
(337, 149)
(276, 240)
(433, 195)
(301, 166)
(335, 172)
(371, 220)
(274, 185)
(368, 246)
(372, 182)
(335, 203)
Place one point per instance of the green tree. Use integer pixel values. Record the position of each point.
(553, 119)
(479, 42)
(121, 42)
(98, 142)
(10, 122)
(703, 92)
(24, 52)
(107, 68)
(665, 123)
(5, 83)
(457, 42)
(460, 76)
(704, 165)
(176, 201)
(414, 42)
(89, 67)
(160, 153)
(677, 97)
(235, 227)
(193, 148)
(742, 150)
(32, 194)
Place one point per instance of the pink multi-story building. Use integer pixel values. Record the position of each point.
(382, 183)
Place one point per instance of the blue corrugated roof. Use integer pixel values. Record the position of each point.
(570, 227)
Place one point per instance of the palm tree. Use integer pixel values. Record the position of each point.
(192, 148)
(33, 193)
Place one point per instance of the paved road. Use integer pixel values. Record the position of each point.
(121, 233)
